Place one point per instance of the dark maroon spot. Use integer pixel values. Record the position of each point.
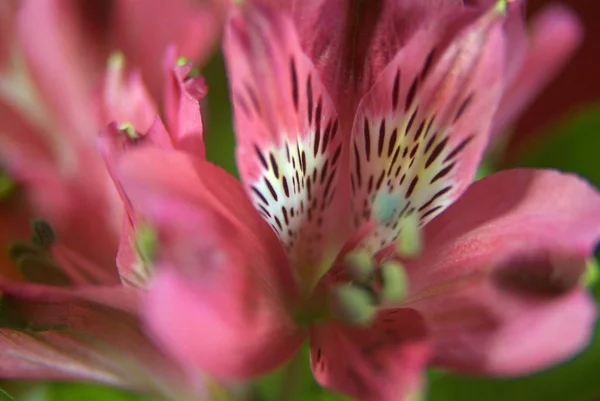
(261, 157)
(436, 152)
(381, 137)
(324, 171)
(435, 197)
(413, 152)
(461, 146)
(278, 223)
(463, 107)
(294, 76)
(264, 210)
(328, 185)
(274, 165)
(427, 64)
(286, 190)
(367, 132)
(430, 143)
(326, 138)
(334, 129)
(260, 195)
(370, 184)
(285, 215)
(336, 155)
(410, 96)
(412, 186)
(442, 173)
(309, 98)
(357, 161)
(273, 193)
(411, 121)
(317, 141)
(396, 90)
(419, 131)
(392, 142)
(431, 211)
(380, 180)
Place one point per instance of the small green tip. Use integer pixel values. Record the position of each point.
(501, 6)
(7, 185)
(182, 61)
(410, 241)
(116, 60)
(592, 273)
(394, 281)
(128, 129)
(359, 265)
(353, 305)
(146, 241)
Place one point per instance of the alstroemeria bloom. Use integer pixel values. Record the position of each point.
(357, 123)
(64, 313)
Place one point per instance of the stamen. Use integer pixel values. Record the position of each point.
(410, 241)
(360, 265)
(353, 305)
(394, 281)
(128, 129)
(43, 233)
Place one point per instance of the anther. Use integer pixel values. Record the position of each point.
(353, 305)
(410, 241)
(42, 233)
(359, 265)
(592, 273)
(128, 129)
(394, 283)
(40, 269)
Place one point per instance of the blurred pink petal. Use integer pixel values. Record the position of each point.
(383, 362)
(498, 283)
(210, 234)
(556, 34)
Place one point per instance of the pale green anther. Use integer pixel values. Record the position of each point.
(146, 241)
(116, 60)
(592, 273)
(410, 241)
(394, 285)
(182, 61)
(129, 130)
(7, 185)
(353, 304)
(501, 6)
(359, 265)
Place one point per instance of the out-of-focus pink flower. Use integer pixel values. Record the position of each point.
(65, 313)
(577, 84)
(356, 126)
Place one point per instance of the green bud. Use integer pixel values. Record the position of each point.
(394, 281)
(359, 265)
(353, 305)
(410, 242)
(146, 241)
(592, 273)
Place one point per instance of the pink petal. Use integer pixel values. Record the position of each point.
(65, 59)
(182, 96)
(289, 148)
(194, 27)
(352, 43)
(556, 34)
(80, 335)
(125, 98)
(211, 238)
(497, 283)
(382, 363)
(7, 21)
(420, 132)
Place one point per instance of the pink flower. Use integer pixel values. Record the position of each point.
(65, 313)
(355, 127)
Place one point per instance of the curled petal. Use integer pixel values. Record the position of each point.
(498, 281)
